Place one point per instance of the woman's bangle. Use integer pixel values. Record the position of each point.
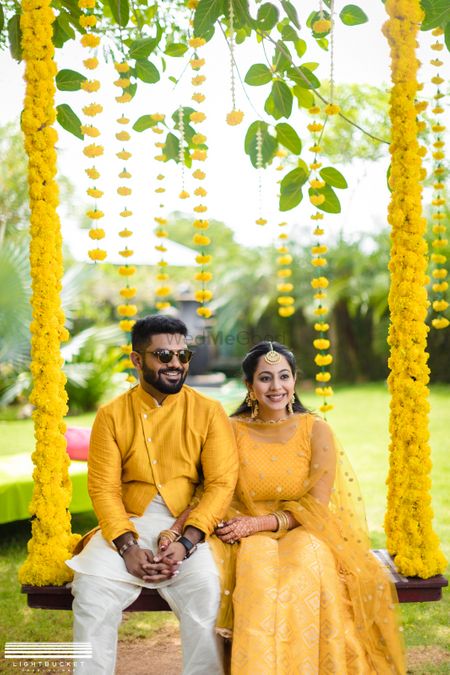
(283, 520)
(171, 535)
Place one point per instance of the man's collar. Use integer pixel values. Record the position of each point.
(151, 402)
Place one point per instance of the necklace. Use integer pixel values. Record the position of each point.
(257, 420)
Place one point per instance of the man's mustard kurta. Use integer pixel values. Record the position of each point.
(139, 448)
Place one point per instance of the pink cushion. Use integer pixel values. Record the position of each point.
(78, 442)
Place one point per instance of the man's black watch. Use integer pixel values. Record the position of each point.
(188, 545)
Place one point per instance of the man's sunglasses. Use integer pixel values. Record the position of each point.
(166, 355)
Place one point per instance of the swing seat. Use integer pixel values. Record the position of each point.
(409, 589)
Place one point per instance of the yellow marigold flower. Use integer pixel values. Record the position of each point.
(320, 282)
(92, 173)
(160, 176)
(318, 250)
(314, 110)
(96, 233)
(282, 249)
(127, 310)
(162, 249)
(281, 152)
(94, 214)
(163, 291)
(204, 312)
(130, 379)
(160, 190)
(127, 270)
(440, 243)
(439, 144)
(198, 80)
(420, 106)
(197, 116)
(162, 305)
(437, 79)
(284, 260)
(438, 186)
(318, 262)
(439, 274)
(124, 191)
(326, 407)
(261, 221)
(157, 117)
(320, 295)
(439, 170)
(321, 343)
(323, 377)
(438, 110)
(126, 213)
(123, 136)
(203, 259)
(319, 231)
(201, 240)
(198, 97)
(124, 174)
(184, 195)
(203, 276)
(92, 109)
(315, 127)
(438, 154)
(285, 288)
(235, 117)
(196, 42)
(317, 200)
(122, 82)
(284, 273)
(283, 236)
(88, 20)
(123, 154)
(196, 64)
(162, 276)
(315, 165)
(285, 300)
(91, 63)
(122, 120)
(198, 174)
(90, 130)
(437, 46)
(122, 67)
(198, 139)
(126, 349)
(317, 184)
(323, 359)
(422, 151)
(124, 98)
(160, 158)
(332, 109)
(161, 234)
(324, 391)
(93, 150)
(201, 224)
(321, 26)
(160, 221)
(440, 305)
(97, 254)
(287, 311)
(200, 208)
(438, 128)
(315, 148)
(200, 192)
(440, 322)
(203, 296)
(86, 4)
(90, 85)
(436, 62)
(90, 40)
(199, 155)
(437, 31)
(126, 363)
(321, 311)
(93, 192)
(126, 253)
(439, 229)
(322, 327)
(126, 325)
(438, 258)
(128, 292)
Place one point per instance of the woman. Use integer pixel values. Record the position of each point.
(302, 592)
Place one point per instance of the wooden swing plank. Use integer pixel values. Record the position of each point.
(409, 589)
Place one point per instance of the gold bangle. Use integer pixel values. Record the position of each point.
(171, 535)
(283, 520)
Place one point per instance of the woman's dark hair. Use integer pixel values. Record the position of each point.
(250, 363)
(156, 324)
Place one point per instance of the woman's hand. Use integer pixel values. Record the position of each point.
(231, 531)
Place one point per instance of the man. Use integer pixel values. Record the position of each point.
(150, 449)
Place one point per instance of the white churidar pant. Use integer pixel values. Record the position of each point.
(102, 589)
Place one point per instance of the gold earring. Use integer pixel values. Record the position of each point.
(290, 405)
(253, 404)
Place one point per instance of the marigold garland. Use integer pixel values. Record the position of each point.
(234, 117)
(408, 522)
(285, 286)
(259, 166)
(438, 259)
(162, 290)
(52, 541)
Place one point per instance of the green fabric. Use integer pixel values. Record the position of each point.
(16, 487)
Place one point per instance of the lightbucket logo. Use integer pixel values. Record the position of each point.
(37, 656)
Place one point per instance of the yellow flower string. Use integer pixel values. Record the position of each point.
(235, 116)
(440, 242)
(284, 273)
(52, 541)
(319, 283)
(90, 41)
(126, 310)
(162, 290)
(259, 166)
(201, 223)
(408, 521)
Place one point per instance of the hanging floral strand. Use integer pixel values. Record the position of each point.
(259, 166)
(234, 117)
(126, 309)
(91, 41)
(201, 225)
(439, 260)
(52, 541)
(408, 521)
(284, 273)
(162, 290)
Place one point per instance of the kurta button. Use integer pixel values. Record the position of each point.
(149, 440)
(145, 416)
(159, 485)
(154, 461)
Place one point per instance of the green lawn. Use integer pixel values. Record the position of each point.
(360, 421)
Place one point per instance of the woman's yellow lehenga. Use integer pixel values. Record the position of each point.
(314, 599)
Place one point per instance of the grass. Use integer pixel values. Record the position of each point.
(360, 421)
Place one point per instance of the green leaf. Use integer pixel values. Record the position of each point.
(282, 58)
(69, 120)
(447, 36)
(289, 34)
(175, 49)
(352, 15)
(142, 48)
(268, 147)
(144, 122)
(242, 18)
(15, 37)
(62, 29)
(2, 18)
(333, 177)
(120, 11)
(437, 13)
(291, 12)
(282, 98)
(331, 203)
(147, 71)
(323, 43)
(305, 78)
(258, 74)
(300, 47)
(288, 137)
(69, 80)
(304, 97)
(291, 187)
(267, 16)
(206, 14)
(172, 147)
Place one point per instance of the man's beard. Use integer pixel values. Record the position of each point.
(154, 379)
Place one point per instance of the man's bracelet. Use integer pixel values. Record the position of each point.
(188, 545)
(126, 546)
